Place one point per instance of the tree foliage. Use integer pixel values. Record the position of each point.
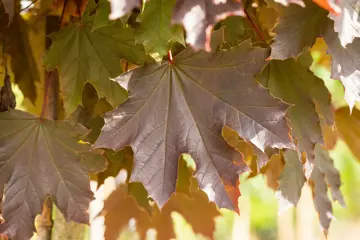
(185, 95)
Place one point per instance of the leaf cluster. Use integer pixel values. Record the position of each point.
(146, 86)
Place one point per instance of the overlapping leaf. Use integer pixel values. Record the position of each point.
(198, 16)
(298, 28)
(324, 175)
(293, 82)
(181, 106)
(345, 65)
(254, 157)
(39, 157)
(156, 31)
(119, 208)
(273, 169)
(67, 8)
(82, 55)
(23, 63)
(9, 6)
(347, 24)
(349, 128)
(291, 181)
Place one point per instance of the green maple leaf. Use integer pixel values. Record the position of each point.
(298, 28)
(291, 181)
(82, 55)
(40, 157)
(156, 31)
(181, 106)
(237, 29)
(293, 82)
(324, 175)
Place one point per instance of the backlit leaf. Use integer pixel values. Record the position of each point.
(168, 113)
(156, 31)
(345, 65)
(291, 181)
(119, 208)
(323, 176)
(196, 209)
(298, 28)
(23, 63)
(183, 230)
(254, 157)
(347, 24)
(348, 128)
(293, 82)
(190, 202)
(116, 161)
(40, 157)
(273, 169)
(332, 176)
(198, 16)
(82, 55)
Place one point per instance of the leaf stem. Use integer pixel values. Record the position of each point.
(254, 25)
(46, 95)
(170, 56)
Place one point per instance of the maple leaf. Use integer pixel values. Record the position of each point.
(293, 82)
(196, 209)
(155, 31)
(345, 65)
(347, 23)
(183, 230)
(273, 170)
(126, 203)
(9, 6)
(297, 28)
(348, 128)
(120, 8)
(101, 14)
(291, 181)
(23, 63)
(119, 208)
(41, 157)
(82, 55)
(325, 174)
(192, 203)
(168, 114)
(116, 162)
(198, 16)
(254, 157)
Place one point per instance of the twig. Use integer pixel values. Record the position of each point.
(28, 6)
(254, 25)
